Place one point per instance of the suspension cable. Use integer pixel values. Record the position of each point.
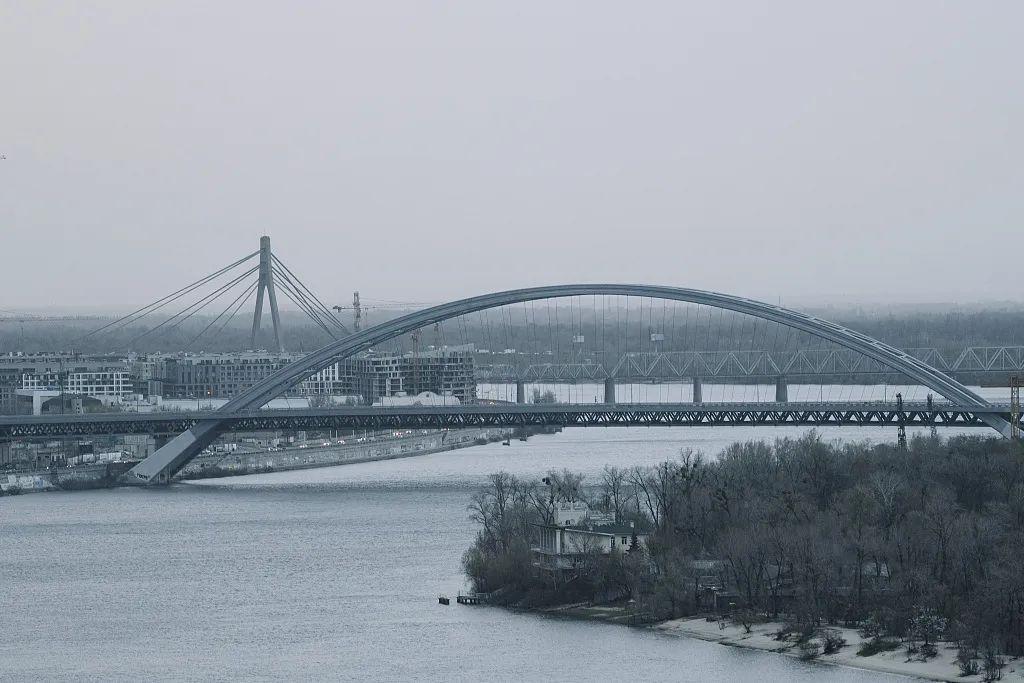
(245, 293)
(295, 295)
(160, 303)
(192, 308)
(217, 333)
(304, 306)
(319, 304)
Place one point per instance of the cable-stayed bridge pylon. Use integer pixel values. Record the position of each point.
(237, 283)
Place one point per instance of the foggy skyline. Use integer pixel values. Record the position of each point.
(424, 152)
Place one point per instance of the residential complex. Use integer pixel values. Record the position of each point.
(29, 378)
(448, 371)
(54, 382)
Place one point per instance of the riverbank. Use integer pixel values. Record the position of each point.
(92, 476)
(942, 667)
(215, 465)
(259, 462)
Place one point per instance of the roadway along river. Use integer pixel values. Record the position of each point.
(325, 574)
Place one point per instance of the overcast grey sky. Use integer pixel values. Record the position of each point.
(420, 151)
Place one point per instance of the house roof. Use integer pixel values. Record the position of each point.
(602, 529)
(608, 529)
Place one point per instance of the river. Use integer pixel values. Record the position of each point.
(327, 574)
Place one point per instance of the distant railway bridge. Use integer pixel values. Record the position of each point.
(978, 364)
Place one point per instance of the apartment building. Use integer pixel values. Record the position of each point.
(107, 379)
(370, 376)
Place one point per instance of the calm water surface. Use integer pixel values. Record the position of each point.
(326, 574)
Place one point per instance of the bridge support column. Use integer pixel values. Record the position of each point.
(266, 284)
(698, 396)
(609, 390)
(174, 454)
(520, 391)
(781, 390)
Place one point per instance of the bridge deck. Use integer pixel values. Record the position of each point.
(504, 415)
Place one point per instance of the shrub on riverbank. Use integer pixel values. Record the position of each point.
(876, 645)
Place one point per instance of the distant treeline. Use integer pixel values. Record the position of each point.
(74, 335)
(940, 330)
(798, 530)
(541, 329)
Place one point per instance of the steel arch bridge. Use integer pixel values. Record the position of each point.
(166, 461)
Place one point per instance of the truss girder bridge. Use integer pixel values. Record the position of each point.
(510, 415)
(170, 458)
(682, 365)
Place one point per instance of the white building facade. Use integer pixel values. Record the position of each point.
(578, 532)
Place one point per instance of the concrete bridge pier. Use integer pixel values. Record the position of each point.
(697, 391)
(174, 454)
(781, 390)
(520, 391)
(609, 390)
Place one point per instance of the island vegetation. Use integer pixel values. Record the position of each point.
(912, 547)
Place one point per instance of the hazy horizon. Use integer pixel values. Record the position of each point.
(795, 152)
(371, 314)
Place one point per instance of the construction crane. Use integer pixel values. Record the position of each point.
(358, 310)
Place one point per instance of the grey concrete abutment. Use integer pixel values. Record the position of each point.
(781, 390)
(609, 390)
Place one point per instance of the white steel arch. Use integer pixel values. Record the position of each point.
(176, 453)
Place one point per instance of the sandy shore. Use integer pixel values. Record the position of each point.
(943, 667)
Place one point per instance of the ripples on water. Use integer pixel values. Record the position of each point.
(326, 574)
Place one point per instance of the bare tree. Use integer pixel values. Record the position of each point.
(566, 486)
(614, 490)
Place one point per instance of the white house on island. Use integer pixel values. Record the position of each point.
(577, 532)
